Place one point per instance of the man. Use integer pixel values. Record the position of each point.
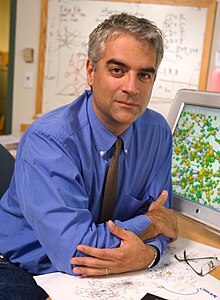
(50, 214)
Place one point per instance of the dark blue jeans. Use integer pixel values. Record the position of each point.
(17, 284)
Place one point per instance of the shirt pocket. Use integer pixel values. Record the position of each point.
(132, 206)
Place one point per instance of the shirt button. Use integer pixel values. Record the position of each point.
(101, 153)
(126, 151)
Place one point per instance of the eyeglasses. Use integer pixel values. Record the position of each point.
(206, 268)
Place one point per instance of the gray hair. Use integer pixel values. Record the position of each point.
(141, 28)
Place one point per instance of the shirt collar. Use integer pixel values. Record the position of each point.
(103, 139)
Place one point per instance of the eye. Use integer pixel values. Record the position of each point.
(145, 76)
(116, 71)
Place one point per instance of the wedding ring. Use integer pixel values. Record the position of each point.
(106, 271)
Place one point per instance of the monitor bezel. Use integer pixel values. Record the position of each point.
(183, 206)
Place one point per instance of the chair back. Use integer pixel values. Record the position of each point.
(6, 169)
(2, 123)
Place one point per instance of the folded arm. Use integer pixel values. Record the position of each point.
(132, 254)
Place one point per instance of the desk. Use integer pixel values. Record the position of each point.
(197, 232)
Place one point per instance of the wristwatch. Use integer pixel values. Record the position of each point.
(156, 255)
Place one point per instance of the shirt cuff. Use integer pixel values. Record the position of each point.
(137, 224)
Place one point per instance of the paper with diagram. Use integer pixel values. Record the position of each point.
(171, 279)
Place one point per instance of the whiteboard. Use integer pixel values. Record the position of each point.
(69, 23)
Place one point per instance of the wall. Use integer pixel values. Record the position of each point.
(215, 48)
(27, 35)
(4, 45)
(4, 24)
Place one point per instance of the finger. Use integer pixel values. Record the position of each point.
(176, 230)
(171, 240)
(160, 200)
(89, 262)
(97, 252)
(88, 272)
(117, 230)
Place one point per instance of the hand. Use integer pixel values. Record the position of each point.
(163, 219)
(132, 255)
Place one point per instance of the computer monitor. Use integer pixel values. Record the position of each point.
(195, 122)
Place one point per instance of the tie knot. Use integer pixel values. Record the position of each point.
(118, 144)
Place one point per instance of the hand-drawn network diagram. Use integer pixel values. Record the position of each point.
(181, 281)
(196, 157)
(70, 23)
(170, 279)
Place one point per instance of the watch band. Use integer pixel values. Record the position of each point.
(155, 256)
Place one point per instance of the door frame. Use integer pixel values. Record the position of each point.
(10, 84)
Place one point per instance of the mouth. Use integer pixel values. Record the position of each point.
(127, 104)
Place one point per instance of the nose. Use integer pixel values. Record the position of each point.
(130, 84)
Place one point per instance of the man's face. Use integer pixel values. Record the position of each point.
(122, 82)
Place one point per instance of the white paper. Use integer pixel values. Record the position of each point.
(8, 139)
(10, 142)
(171, 279)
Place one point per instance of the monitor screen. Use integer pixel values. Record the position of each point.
(195, 123)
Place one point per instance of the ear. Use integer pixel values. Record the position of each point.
(89, 72)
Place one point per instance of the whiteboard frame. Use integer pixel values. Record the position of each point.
(210, 20)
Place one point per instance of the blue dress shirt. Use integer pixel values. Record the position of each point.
(55, 196)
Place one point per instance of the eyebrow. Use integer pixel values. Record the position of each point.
(119, 63)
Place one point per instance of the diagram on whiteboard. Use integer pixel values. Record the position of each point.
(70, 23)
